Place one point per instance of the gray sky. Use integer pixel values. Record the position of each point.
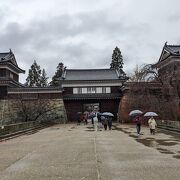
(83, 33)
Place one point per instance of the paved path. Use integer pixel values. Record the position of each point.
(71, 152)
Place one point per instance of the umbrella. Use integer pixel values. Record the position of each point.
(150, 114)
(100, 114)
(107, 114)
(86, 112)
(135, 112)
(102, 118)
(92, 115)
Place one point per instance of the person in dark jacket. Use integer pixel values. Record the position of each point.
(104, 122)
(138, 122)
(109, 122)
(79, 118)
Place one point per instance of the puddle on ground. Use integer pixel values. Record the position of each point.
(152, 142)
(175, 136)
(54, 128)
(90, 130)
(149, 143)
(165, 142)
(165, 151)
(90, 127)
(120, 129)
(150, 138)
(134, 136)
(176, 156)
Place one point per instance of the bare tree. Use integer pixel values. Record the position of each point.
(33, 109)
(150, 89)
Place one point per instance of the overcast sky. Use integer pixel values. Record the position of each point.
(83, 33)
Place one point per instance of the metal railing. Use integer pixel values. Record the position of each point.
(169, 124)
(18, 126)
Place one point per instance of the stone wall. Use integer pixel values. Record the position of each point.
(12, 128)
(169, 124)
(16, 110)
(124, 109)
(147, 102)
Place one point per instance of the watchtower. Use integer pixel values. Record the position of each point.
(169, 64)
(9, 73)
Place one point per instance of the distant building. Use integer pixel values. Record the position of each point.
(91, 89)
(9, 72)
(169, 64)
(166, 89)
(96, 89)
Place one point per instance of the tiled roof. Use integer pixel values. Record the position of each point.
(9, 58)
(91, 96)
(91, 74)
(3, 55)
(173, 49)
(34, 89)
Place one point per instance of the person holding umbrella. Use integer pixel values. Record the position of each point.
(138, 122)
(104, 122)
(108, 119)
(137, 119)
(79, 115)
(152, 125)
(86, 114)
(109, 122)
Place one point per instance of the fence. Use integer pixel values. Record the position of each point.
(17, 127)
(169, 124)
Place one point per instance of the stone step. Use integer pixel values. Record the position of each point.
(169, 129)
(22, 132)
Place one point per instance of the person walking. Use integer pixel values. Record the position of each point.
(109, 122)
(152, 125)
(86, 118)
(79, 118)
(104, 122)
(138, 122)
(95, 119)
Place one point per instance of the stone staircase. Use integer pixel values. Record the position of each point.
(173, 126)
(27, 131)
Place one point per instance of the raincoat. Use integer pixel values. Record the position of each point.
(152, 123)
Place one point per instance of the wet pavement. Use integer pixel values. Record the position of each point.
(163, 141)
(78, 152)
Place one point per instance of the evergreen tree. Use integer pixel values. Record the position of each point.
(34, 76)
(58, 74)
(117, 60)
(44, 78)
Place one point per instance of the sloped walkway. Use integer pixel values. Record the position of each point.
(71, 152)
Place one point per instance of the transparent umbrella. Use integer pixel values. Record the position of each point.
(108, 114)
(150, 114)
(86, 112)
(92, 115)
(135, 112)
